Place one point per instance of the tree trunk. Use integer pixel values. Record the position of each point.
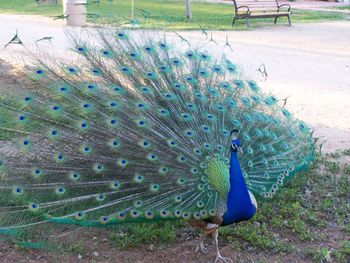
(188, 9)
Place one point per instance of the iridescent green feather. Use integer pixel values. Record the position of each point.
(138, 132)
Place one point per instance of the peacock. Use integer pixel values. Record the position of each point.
(135, 128)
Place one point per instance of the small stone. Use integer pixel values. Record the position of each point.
(80, 256)
(95, 253)
(257, 223)
(150, 247)
(104, 240)
(94, 238)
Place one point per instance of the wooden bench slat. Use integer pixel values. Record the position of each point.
(259, 9)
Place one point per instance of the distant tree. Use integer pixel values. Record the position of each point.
(188, 9)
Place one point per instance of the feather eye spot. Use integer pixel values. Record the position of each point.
(39, 72)
(18, 190)
(74, 176)
(176, 61)
(121, 215)
(200, 187)
(189, 54)
(60, 190)
(194, 170)
(72, 70)
(59, 158)
(137, 203)
(152, 157)
(189, 133)
(104, 219)
(37, 172)
(149, 214)
(27, 99)
(178, 198)
(181, 181)
(163, 45)
(177, 213)
(164, 213)
(181, 158)
(186, 215)
(100, 197)
(154, 187)
(197, 151)
(122, 162)
(139, 178)
(163, 170)
(200, 204)
(115, 185)
(98, 168)
(212, 212)
(34, 207)
(196, 215)
(203, 165)
(172, 143)
(217, 69)
(207, 146)
(79, 215)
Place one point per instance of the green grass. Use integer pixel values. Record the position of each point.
(346, 7)
(165, 14)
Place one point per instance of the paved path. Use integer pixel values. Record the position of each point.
(309, 62)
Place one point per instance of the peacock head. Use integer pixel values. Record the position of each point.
(236, 144)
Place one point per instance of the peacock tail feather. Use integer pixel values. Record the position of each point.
(137, 131)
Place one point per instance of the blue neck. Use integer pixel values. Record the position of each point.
(239, 205)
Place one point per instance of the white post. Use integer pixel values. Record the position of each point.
(132, 10)
(188, 9)
(75, 10)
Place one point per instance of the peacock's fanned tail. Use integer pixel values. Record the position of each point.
(139, 131)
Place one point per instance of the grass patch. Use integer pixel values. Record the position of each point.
(165, 14)
(346, 7)
(136, 235)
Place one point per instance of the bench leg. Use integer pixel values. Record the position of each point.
(247, 21)
(234, 20)
(289, 22)
(276, 19)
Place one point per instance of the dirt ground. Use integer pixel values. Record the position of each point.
(308, 62)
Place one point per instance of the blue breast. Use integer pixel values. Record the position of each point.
(239, 205)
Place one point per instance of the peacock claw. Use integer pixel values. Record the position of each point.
(220, 258)
(202, 247)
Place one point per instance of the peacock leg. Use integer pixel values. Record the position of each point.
(219, 258)
(201, 244)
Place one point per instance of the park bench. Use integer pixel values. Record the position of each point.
(246, 9)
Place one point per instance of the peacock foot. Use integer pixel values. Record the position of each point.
(220, 258)
(202, 247)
